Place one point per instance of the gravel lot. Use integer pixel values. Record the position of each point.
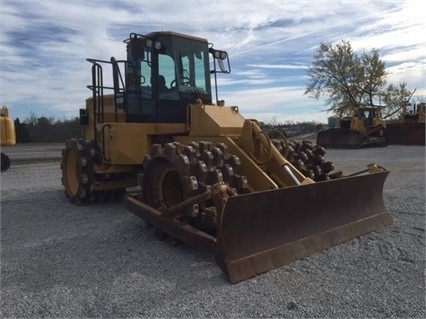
(58, 260)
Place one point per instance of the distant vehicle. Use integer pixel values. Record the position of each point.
(410, 128)
(8, 135)
(365, 127)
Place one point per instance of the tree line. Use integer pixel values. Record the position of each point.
(46, 130)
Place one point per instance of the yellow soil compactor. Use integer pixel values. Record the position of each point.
(199, 172)
(365, 127)
(8, 135)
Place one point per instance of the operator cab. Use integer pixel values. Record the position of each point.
(165, 71)
(368, 114)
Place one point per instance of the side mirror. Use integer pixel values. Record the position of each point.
(220, 57)
(136, 47)
(84, 119)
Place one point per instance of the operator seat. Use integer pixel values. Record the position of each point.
(162, 87)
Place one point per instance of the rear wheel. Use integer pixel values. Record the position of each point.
(82, 183)
(77, 171)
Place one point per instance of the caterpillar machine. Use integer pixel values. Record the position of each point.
(410, 127)
(199, 172)
(8, 135)
(365, 127)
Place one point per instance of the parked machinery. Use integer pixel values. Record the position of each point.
(200, 172)
(409, 129)
(8, 135)
(365, 127)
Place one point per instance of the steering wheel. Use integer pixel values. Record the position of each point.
(185, 81)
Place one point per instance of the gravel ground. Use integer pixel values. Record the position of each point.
(58, 260)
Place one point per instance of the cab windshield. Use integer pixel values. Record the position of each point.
(183, 70)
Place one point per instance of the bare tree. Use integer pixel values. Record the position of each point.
(347, 79)
(396, 97)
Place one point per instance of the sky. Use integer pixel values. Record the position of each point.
(44, 45)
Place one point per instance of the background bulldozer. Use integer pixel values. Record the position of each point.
(8, 135)
(364, 127)
(410, 128)
(201, 173)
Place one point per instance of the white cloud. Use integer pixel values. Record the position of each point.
(278, 66)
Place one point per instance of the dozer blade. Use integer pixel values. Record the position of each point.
(406, 133)
(340, 138)
(262, 231)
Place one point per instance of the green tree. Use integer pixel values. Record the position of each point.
(347, 79)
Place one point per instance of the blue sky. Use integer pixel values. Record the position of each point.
(44, 45)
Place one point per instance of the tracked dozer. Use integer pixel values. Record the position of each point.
(364, 127)
(8, 135)
(199, 172)
(409, 129)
